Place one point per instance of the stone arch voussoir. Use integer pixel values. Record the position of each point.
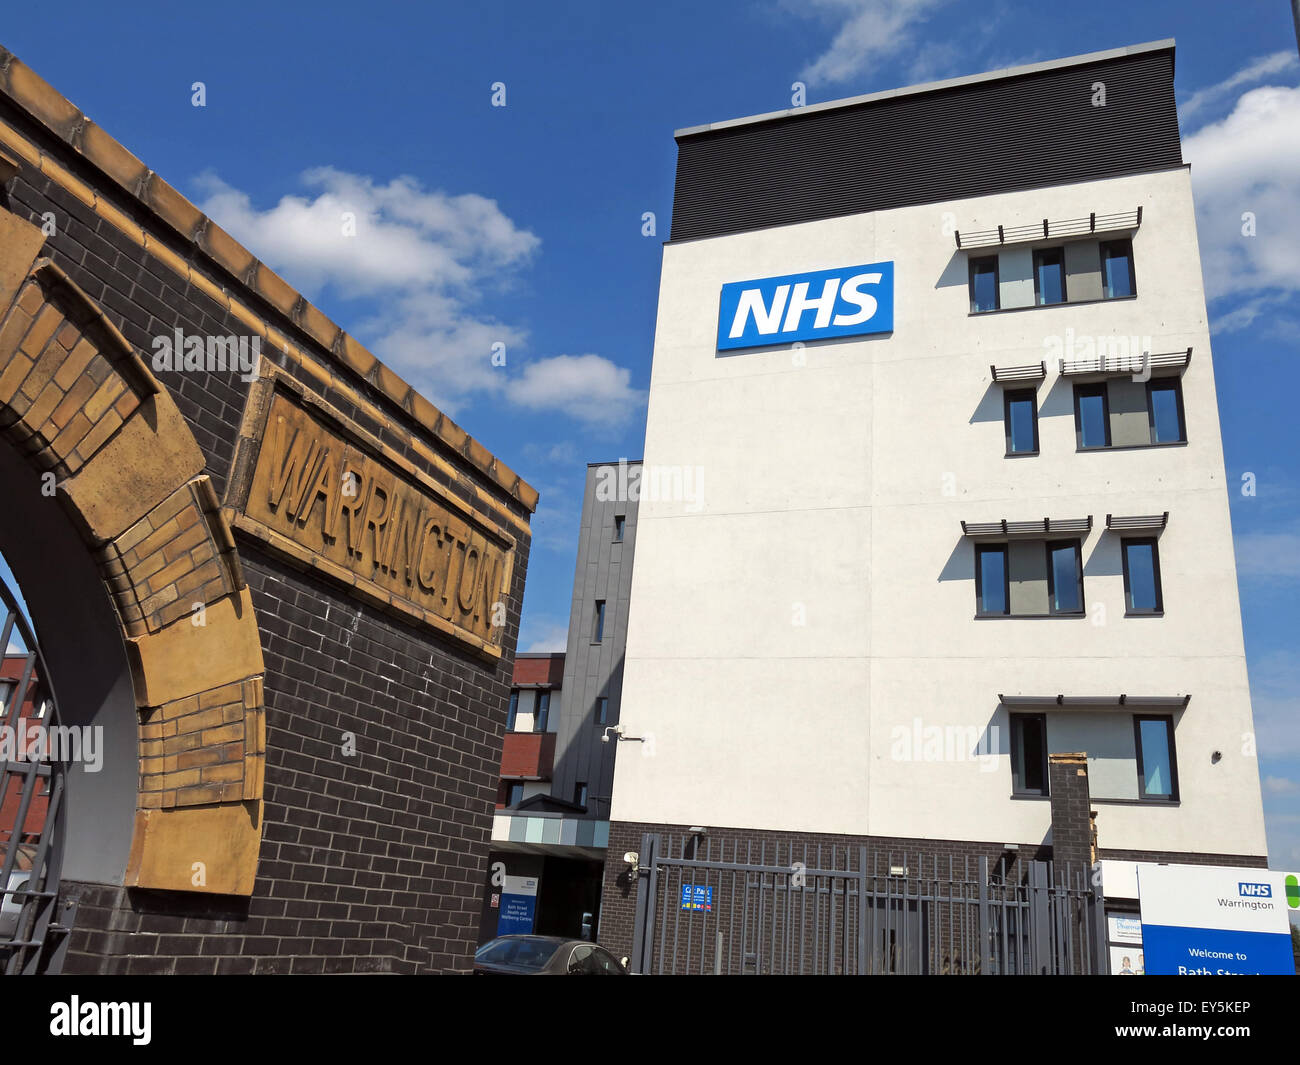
(84, 409)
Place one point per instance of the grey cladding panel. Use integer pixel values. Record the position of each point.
(1128, 412)
(998, 136)
(1027, 570)
(1082, 271)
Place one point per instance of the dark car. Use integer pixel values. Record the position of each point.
(544, 956)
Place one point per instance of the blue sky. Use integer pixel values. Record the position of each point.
(523, 225)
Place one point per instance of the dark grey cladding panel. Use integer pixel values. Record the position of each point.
(1022, 132)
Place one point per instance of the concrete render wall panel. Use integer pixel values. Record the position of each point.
(850, 502)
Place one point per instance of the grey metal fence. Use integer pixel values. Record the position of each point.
(704, 907)
(34, 921)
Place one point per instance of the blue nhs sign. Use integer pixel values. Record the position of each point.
(850, 301)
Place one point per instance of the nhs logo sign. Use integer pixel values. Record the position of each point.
(850, 301)
(1259, 891)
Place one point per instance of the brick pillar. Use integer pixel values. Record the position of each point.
(1067, 782)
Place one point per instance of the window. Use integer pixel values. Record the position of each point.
(619, 519)
(1117, 269)
(1091, 416)
(542, 712)
(514, 710)
(1020, 412)
(599, 631)
(1141, 577)
(1156, 767)
(1049, 276)
(515, 795)
(1029, 754)
(1165, 411)
(580, 794)
(602, 711)
(1064, 577)
(984, 284)
(992, 593)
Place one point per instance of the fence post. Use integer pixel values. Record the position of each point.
(1100, 933)
(986, 927)
(644, 920)
(861, 968)
(1040, 932)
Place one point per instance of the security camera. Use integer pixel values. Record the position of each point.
(632, 858)
(616, 729)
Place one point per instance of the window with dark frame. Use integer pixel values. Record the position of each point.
(1157, 766)
(1020, 414)
(1029, 754)
(1049, 276)
(618, 528)
(1064, 577)
(992, 587)
(580, 794)
(514, 710)
(984, 284)
(543, 711)
(515, 795)
(1117, 269)
(602, 711)
(1091, 416)
(1142, 592)
(598, 628)
(1165, 411)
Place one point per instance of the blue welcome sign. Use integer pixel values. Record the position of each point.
(849, 301)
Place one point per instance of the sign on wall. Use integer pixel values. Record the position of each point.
(698, 897)
(518, 906)
(314, 486)
(849, 301)
(1214, 921)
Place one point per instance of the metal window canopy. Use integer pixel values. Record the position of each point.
(1094, 702)
(1152, 523)
(1007, 375)
(1036, 232)
(1012, 530)
(1166, 364)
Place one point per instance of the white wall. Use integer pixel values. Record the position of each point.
(526, 716)
(819, 594)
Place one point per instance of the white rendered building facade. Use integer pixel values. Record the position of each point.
(924, 558)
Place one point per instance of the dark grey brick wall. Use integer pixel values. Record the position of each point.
(371, 862)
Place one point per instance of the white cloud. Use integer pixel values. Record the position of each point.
(547, 635)
(562, 453)
(1272, 556)
(1275, 700)
(1258, 70)
(426, 264)
(1249, 162)
(422, 259)
(1279, 786)
(868, 31)
(587, 387)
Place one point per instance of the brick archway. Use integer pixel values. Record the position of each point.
(84, 411)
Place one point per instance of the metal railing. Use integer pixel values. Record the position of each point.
(34, 924)
(706, 908)
(1118, 221)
